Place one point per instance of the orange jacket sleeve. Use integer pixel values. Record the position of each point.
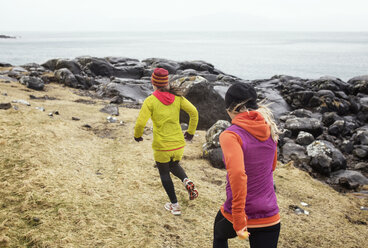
(234, 158)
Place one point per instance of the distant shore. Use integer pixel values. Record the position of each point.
(2, 36)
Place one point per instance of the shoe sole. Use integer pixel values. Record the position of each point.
(193, 193)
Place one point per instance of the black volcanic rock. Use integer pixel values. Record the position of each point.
(32, 82)
(358, 85)
(66, 77)
(71, 65)
(170, 65)
(210, 105)
(310, 125)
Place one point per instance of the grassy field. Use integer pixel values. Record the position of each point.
(66, 185)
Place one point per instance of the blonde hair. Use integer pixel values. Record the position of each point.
(265, 111)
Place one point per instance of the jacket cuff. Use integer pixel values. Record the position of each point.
(239, 222)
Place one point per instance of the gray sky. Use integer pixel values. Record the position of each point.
(190, 15)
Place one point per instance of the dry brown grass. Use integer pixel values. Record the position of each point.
(63, 185)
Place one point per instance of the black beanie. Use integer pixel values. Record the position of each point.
(241, 92)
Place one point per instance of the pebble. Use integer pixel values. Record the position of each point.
(111, 119)
(303, 204)
(298, 210)
(40, 108)
(22, 102)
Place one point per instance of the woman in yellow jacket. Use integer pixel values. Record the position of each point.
(163, 107)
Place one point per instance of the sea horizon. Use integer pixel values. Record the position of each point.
(245, 54)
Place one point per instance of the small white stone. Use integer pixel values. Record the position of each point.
(40, 108)
(22, 102)
(304, 204)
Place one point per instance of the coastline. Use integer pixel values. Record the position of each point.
(323, 119)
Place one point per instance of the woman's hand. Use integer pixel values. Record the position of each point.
(243, 233)
(188, 136)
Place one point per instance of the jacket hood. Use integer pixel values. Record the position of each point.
(165, 97)
(254, 123)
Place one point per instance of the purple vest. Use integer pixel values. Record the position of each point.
(261, 199)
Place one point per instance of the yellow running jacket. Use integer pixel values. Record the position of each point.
(167, 132)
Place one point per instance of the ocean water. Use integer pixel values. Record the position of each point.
(248, 55)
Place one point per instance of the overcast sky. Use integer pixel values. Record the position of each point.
(190, 15)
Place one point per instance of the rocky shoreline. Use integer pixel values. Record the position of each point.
(2, 36)
(324, 121)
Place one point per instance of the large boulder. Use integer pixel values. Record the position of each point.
(329, 83)
(334, 104)
(170, 65)
(304, 138)
(348, 179)
(329, 118)
(50, 64)
(127, 92)
(211, 149)
(71, 65)
(268, 89)
(310, 125)
(361, 136)
(134, 72)
(215, 157)
(296, 153)
(325, 158)
(66, 77)
(96, 66)
(361, 151)
(362, 115)
(210, 105)
(102, 67)
(359, 85)
(302, 113)
(122, 60)
(32, 82)
(197, 66)
(213, 134)
(337, 128)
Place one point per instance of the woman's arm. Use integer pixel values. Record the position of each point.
(143, 117)
(189, 108)
(234, 159)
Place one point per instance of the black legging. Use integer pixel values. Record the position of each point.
(165, 169)
(264, 237)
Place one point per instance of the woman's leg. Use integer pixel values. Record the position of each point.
(222, 231)
(264, 237)
(177, 170)
(164, 169)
